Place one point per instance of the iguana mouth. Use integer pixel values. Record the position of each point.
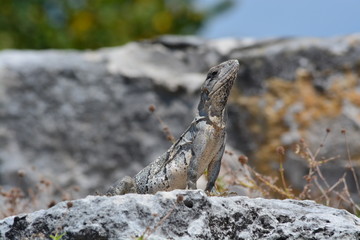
(223, 85)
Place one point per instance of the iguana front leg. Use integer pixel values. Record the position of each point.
(192, 172)
(214, 169)
(206, 153)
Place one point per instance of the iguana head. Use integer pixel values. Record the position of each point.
(216, 89)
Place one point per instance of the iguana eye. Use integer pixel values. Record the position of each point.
(212, 74)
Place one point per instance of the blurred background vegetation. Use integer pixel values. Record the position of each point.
(84, 24)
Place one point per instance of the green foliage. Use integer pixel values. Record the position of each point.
(41, 24)
(57, 236)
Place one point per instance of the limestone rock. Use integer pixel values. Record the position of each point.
(183, 215)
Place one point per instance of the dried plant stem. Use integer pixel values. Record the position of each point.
(323, 192)
(321, 145)
(318, 171)
(165, 128)
(148, 231)
(351, 164)
(283, 178)
(354, 205)
(276, 189)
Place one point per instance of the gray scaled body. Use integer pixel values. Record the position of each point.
(200, 147)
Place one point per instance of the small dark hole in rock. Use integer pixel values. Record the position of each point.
(188, 203)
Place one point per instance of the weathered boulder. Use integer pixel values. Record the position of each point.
(183, 215)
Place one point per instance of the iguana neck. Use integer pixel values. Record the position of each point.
(215, 115)
(215, 92)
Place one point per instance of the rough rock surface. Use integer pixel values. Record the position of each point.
(183, 215)
(81, 118)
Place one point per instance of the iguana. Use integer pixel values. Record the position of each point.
(200, 147)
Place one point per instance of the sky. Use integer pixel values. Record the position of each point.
(285, 18)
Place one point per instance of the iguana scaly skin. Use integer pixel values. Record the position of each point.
(201, 146)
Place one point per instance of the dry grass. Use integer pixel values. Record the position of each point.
(316, 186)
(44, 194)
